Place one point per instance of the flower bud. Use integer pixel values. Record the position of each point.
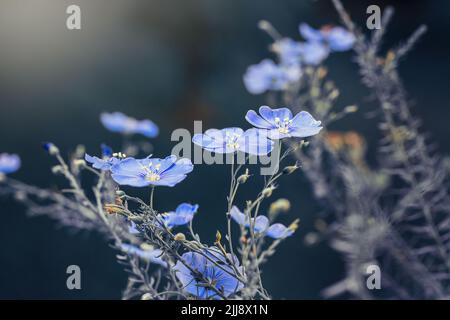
(267, 192)
(79, 162)
(350, 109)
(218, 236)
(290, 169)
(50, 148)
(179, 237)
(57, 169)
(294, 225)
(243, 178)
(281, 205)
(120, 193)
(146, 296)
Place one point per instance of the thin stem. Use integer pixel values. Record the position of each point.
(152, 191)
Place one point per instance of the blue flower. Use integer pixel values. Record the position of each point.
(313, 53)
(149, 255)
(206, 274)
(118, 122)
(132, 228)
(293, 52)
(281, 124)
(337, 38)
(181, 216)
(288, 50)
(267, 76)
(279, 231)
(260, 223)
(102, 164)
(230, 140)
(151, 171)
(9, 163)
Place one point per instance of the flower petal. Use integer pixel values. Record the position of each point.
(304, 125)
(279, 231)
(256, 120)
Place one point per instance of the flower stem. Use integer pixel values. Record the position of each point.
(152, 191)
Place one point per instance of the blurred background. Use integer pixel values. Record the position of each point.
(174, 61)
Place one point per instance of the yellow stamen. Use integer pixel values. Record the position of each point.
(153, 177)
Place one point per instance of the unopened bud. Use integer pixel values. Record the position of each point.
(57, 169)
(218, 236)
(267, 192)
(50, 148)
(179, 237)
(281, 205)
(290, 169)
(294, 225)
(120, 193)
(243, 178)
(79, 162)
(350, 109)
(146, 296)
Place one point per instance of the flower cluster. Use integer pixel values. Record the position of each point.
(261, 225)
(293, 55)
(271, 124)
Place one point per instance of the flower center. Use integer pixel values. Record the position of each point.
(152, 172)
(231, 140)
(153, 177)
(283, 125)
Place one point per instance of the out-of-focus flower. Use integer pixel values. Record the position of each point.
(151, 171)
(293, 52)
(230, 140)
(101, 164)
(183, 214)
(281, 205)
(9, 163)
(350, 143)
(207, 274)
(260, 223)
(149, 255)
(288, 50)
(281, 124)
(119, 122)
(337, 38)
(266, 76)
(279, 231)
(313, 53)
(132, 228)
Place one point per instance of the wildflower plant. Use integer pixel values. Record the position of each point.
(366, 218)
(165, 257)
